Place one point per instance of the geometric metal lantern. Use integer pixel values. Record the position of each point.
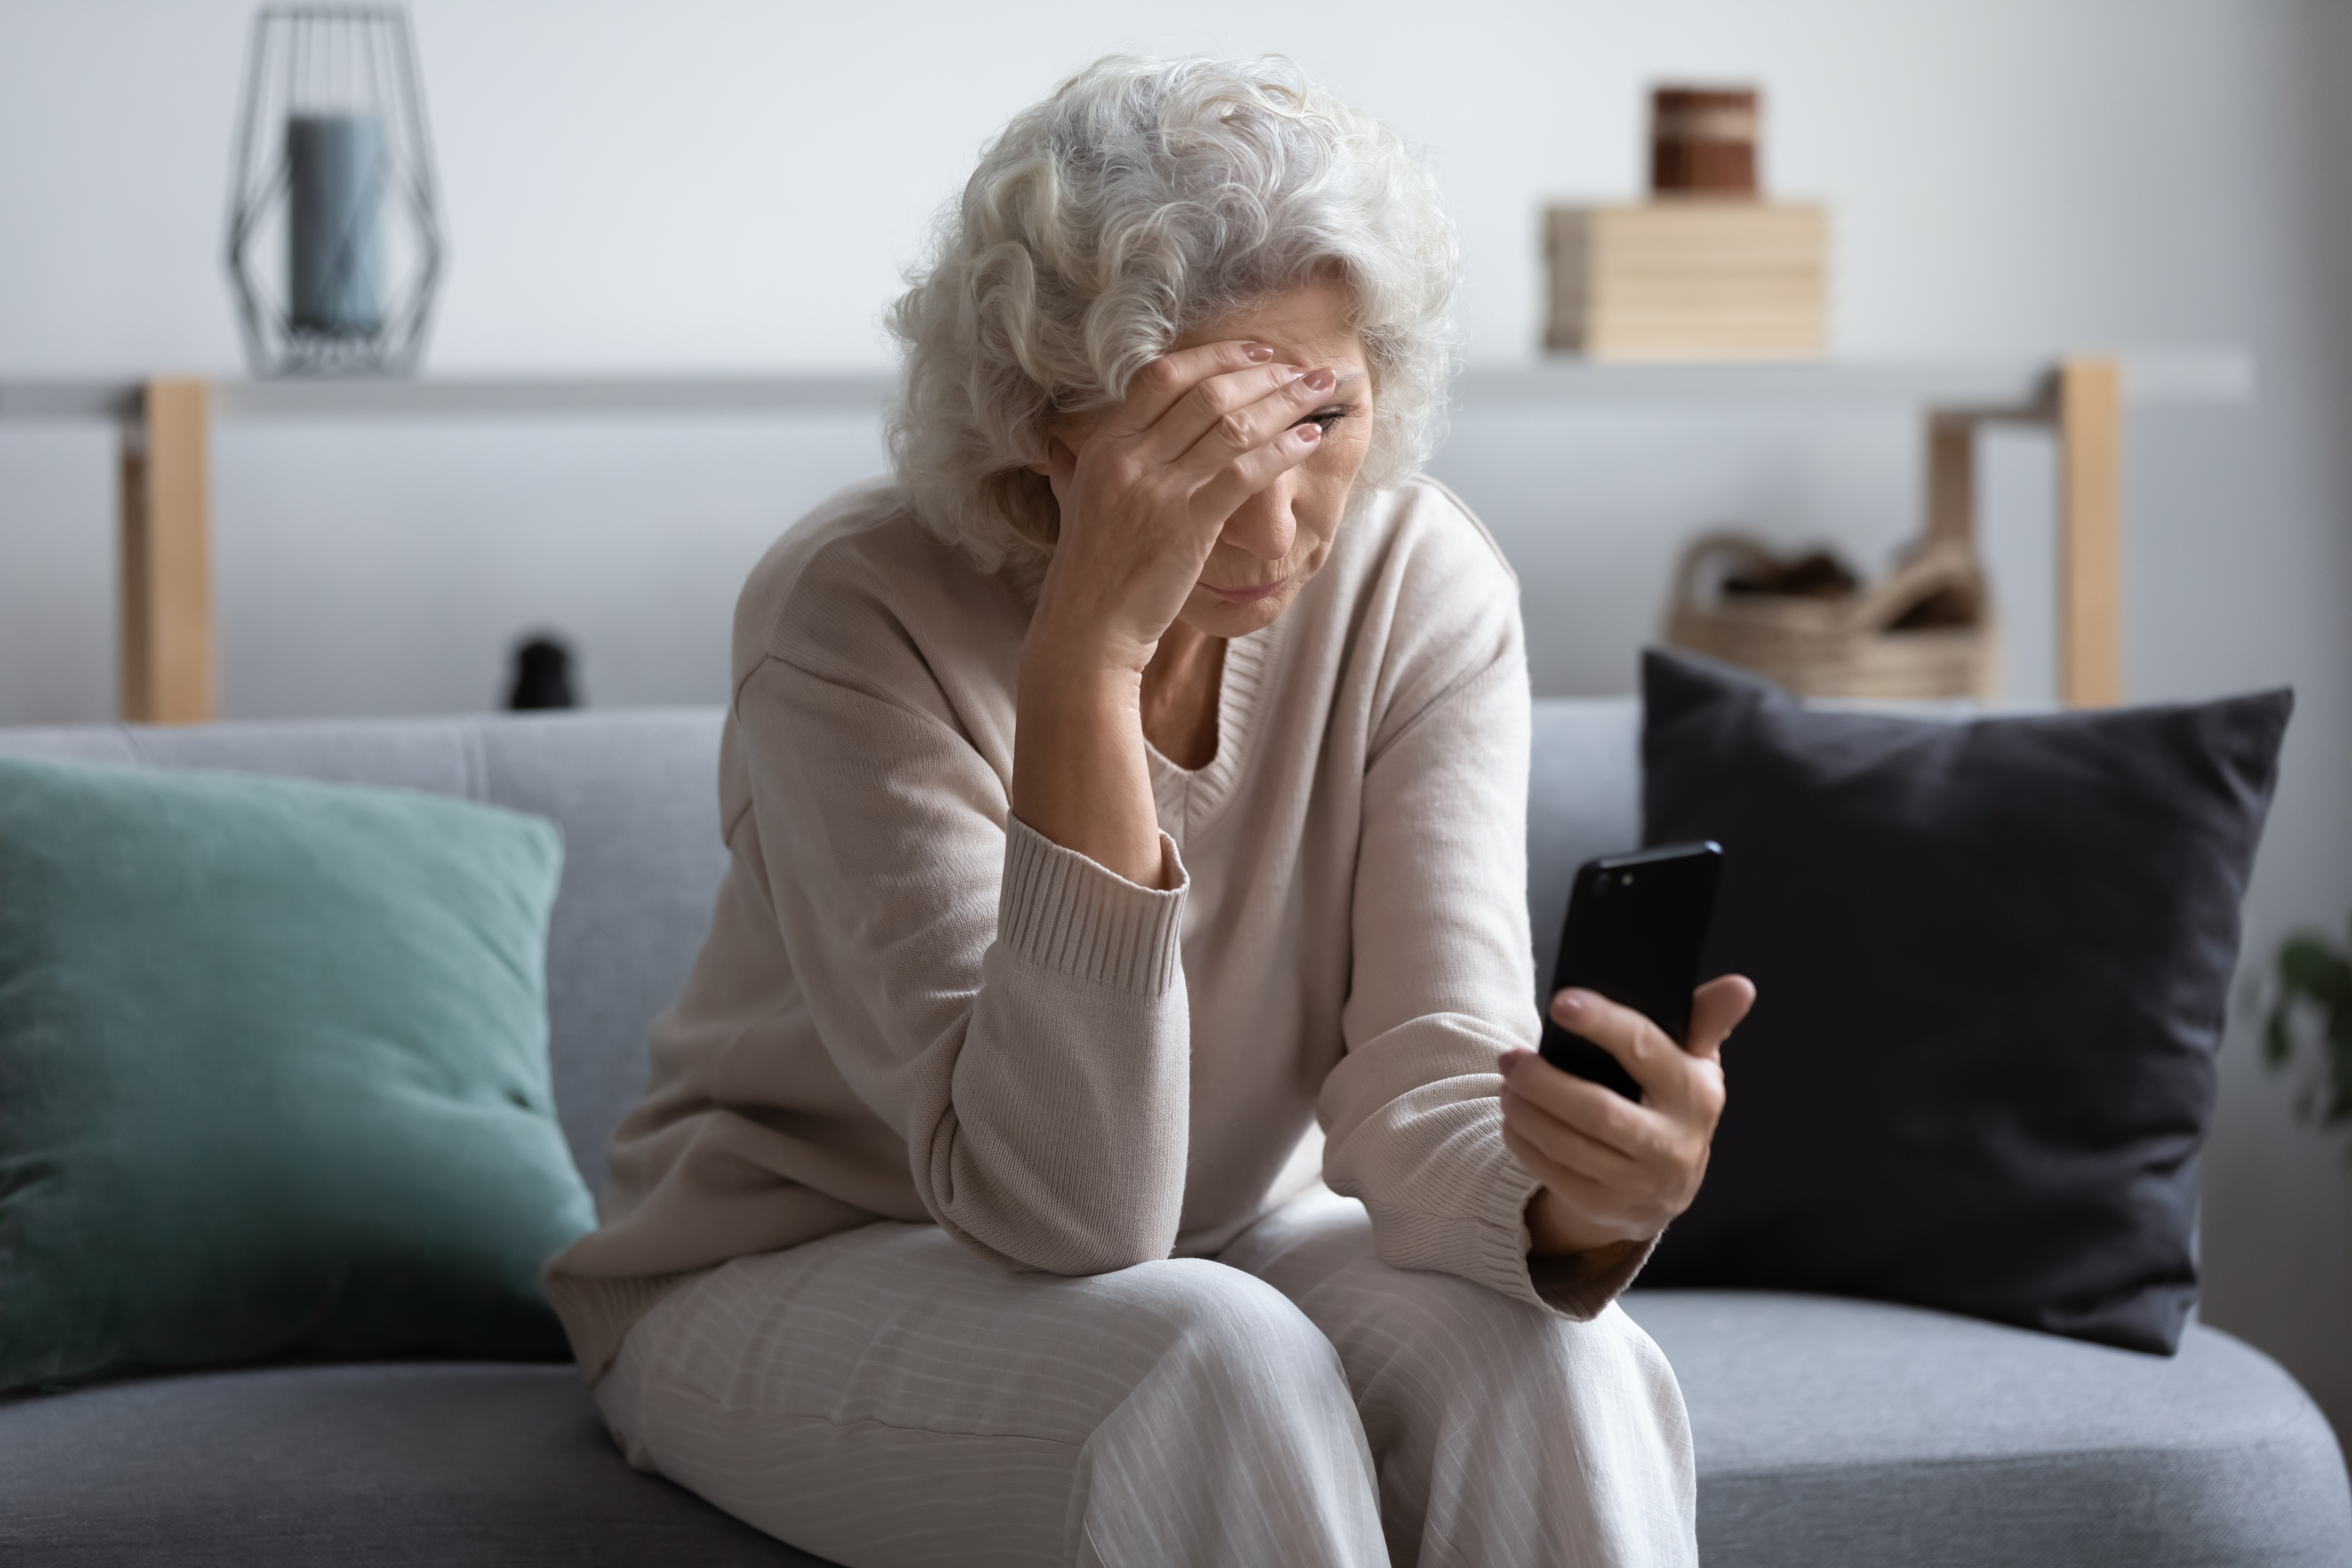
(334, 228)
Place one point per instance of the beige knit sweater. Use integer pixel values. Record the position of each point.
(910, 1006)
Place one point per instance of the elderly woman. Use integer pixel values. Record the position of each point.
(1135, 780)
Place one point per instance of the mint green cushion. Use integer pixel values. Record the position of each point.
(273, 1074)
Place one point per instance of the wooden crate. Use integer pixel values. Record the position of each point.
(1690, 278)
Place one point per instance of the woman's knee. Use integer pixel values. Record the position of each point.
(1202, 1320)
(1441, 1332)
(1240, 1442)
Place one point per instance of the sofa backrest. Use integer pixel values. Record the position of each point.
(636, 798)
(1584, 798)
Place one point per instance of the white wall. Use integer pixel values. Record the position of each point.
(719, 183)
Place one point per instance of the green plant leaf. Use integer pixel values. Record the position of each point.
(2312, 972)
(2307, 965)
(2334, 986)
(2278, 1046)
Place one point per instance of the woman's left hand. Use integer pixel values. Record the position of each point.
(1614, 1171)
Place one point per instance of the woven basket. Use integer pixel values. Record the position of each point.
(1846, 646)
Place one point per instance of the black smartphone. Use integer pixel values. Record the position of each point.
(1636, 925)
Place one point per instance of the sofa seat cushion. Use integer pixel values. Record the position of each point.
(402, 1462)
(1839, 1431)
(475, 1464)
(1828, 1431)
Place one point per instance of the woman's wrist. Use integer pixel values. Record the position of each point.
(1080, 641)
(1079, 775)
(1554, 1230)
(1088, 676)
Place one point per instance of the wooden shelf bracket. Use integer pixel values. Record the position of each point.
(2081, 407)
(166, 638)
(2090, 425)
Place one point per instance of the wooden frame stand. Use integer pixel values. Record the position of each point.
(2083, 407)
(166, 639)
(168, 626)
(2090, 418)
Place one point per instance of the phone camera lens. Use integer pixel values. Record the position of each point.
(1626, 880)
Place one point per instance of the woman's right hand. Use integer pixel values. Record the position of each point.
(1615, 1171)
(1144, 492)
(1149, 485)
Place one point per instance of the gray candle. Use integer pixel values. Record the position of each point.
(335, 174)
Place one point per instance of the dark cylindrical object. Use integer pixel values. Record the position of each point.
(335, 170)
(1703, 141)
(543, 676)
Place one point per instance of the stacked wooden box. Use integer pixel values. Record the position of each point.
(1705, 271)
(1690, 278)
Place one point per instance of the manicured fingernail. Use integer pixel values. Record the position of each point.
(1569, 1002)
(1258, 353)
(1310, 434)
(1323, 380)
(1290, 373)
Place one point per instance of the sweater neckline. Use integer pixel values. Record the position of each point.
(1194, 796)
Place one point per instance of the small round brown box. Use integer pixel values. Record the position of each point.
(1703, 141)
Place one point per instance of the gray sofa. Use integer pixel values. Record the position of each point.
(1830, 1432)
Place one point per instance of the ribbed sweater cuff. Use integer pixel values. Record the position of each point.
(1581, 1286)
(1067, 913)
(1578, 1287)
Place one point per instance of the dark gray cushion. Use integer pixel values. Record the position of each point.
(1855, 1432)
(430, 1462)
(1992, 960)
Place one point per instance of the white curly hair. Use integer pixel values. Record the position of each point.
(1143, 200)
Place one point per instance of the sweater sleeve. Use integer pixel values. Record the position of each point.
(1013, 1010)
(1442, 984)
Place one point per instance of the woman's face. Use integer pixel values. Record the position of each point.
(1281, 536)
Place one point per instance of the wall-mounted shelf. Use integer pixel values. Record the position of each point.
(2150, 379)
(2187, 376)
(167, 632)
(468, 397)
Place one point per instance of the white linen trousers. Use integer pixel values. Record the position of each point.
(884, 1397)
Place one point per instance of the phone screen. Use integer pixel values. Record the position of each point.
(1636, 928)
